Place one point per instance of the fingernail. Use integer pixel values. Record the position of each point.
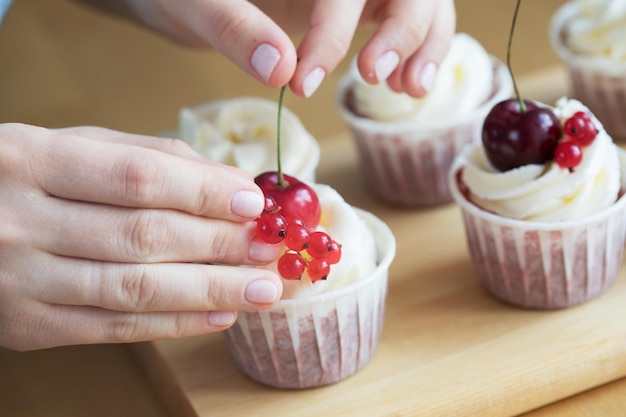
(221, 318)
(386, 64)
(262, 252)
(261, 291)
(312, 81)
(247, 204)
(264, 60)
(427, 76)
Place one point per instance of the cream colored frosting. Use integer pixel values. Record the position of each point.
(598, 29)
(242, 132)
(548, 192)
(463, 82)
(358, 248)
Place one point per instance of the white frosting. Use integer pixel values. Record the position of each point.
(242, 132)
(464, 81)
(358, 248)
(548, 192)
(598, 29)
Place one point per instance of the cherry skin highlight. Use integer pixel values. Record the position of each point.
(513, 138)
(294, 197)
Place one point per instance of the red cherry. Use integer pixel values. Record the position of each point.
(297, 237)
(291, 265)
(568, 154)
(271, 227)
(513, 138)
(294, 197)
(319, 245)
(318, 269)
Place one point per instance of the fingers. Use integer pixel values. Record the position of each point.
(326, 43)
(409, 62)
(76, 168)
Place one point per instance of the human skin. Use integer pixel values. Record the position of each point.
(411, 39)
(112, 237)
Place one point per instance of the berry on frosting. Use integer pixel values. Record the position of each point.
(292, 213)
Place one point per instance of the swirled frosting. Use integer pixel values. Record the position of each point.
(358, 248)
(242, 132)
(598, 29)
(548, 192)
(463, 82)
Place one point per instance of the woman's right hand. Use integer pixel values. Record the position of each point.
(113, 237)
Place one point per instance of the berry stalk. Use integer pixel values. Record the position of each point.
(522, 105)
(281, 177)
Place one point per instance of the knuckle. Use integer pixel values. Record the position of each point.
(125, 328)
(146, 235)
(139, 178)
(138, 292)
(230, 26)
(337, 44)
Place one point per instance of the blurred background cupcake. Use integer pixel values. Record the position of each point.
(242, 132)
(546, 235)
(407, 145)
(322, 331)
(590, 38)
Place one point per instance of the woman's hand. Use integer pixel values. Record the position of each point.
(412, 37)
(112, 237)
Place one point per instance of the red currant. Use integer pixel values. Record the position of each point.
(580, 128)
(270, 204)
(318, 269)
(291, 265)
(319, 245)
(297, 237)
(271, 227)
(568, 154)
(334, 253)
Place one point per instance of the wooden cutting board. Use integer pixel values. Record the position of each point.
(447, 348)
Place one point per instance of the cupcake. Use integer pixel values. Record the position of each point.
(242, 132)
(550, 234)
(590, 38)
(407, 145)
(324, 329)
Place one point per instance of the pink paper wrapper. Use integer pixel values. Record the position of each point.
(316, 341)
(407, 164)
(542, 265)
(598, 82)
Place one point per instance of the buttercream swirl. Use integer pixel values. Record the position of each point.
(242, 132)
(547, 192)
(463, 82)
(598, 28)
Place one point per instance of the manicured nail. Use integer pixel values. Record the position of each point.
(386, 64)
(312, 81)
(261, 291)
(427, 76)
(264, 60)
(262, 252)
(221, 318)
(247, 204)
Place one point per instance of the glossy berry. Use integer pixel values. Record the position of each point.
(319, 245)
(270, 204)
(297, 237)
(291, 265)
(568, 154)
(271, 227)
(318, 269)
(294, 197)
(334, 254)
(513, 138)
(580, 128)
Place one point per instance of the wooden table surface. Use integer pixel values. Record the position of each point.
(62, 64)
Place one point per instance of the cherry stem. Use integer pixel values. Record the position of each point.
(522, 105)
(281, 177)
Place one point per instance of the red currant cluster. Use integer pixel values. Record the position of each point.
(310, 251)
(579, 131)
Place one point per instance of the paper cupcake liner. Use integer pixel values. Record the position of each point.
(307, 343)
(540, 265)
(407, 164)
(598, 82)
